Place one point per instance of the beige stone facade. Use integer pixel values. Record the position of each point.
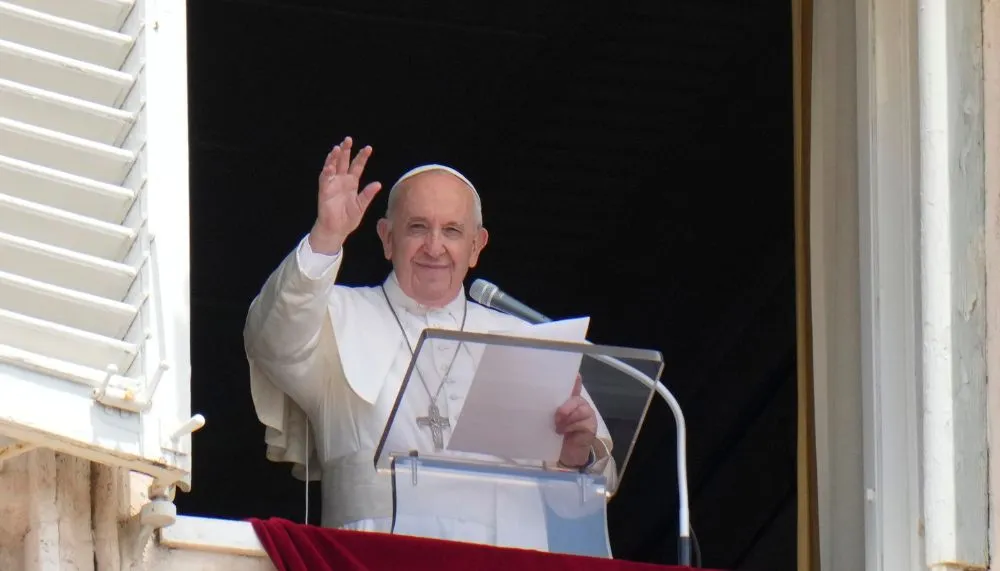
(61, 513)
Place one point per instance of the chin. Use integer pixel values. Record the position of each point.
(433, 275)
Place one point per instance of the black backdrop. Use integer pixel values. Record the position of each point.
(635, 164)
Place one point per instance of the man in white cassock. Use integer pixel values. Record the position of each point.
(327, 361)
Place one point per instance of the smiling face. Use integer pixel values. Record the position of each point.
(432, 237)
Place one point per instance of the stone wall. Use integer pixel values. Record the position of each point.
(62, 513)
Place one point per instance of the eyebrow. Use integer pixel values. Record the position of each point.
(459, 225)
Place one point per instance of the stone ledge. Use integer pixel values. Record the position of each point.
(213, 535)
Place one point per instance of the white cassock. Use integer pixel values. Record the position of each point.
(340, 355)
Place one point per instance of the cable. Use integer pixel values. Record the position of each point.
(697, 549)
(307, 471)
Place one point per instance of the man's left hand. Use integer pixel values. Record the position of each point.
(577, 422)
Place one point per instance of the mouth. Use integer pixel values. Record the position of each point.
(432, 266)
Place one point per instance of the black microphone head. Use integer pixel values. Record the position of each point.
(483, 292)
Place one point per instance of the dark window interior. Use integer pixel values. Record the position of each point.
(635, 164)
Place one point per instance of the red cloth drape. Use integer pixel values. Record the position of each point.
(296, 547)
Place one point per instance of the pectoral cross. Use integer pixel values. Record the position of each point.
(436, 422)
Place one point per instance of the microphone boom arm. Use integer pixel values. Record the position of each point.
(684, 513)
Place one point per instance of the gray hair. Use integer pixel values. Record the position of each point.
(394, 191)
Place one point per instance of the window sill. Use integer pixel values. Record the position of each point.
(227, 537)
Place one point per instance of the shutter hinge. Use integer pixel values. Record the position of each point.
(131, 399)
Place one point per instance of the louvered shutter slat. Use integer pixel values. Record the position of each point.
(60, 228)
(48, 302)
(64, 342)
(107, 14)
(73, 155)
(61, 190)
(66, 268)
(63, 37)
(63, 75)
(70, 115)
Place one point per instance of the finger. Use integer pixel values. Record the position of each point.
(331, 158)
(568, 406)
(578, 385)
(570, 414)
(583, 412)
(358, 164)
(329, 168)
(580, 414)
(345, 157)
(368, 194)
(580, 427)
(326, 176)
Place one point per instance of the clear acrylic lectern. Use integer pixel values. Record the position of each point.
(471, 448)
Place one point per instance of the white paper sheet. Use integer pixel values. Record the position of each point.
(510, 409)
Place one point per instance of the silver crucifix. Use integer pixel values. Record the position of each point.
(436, 422)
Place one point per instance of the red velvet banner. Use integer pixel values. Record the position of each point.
(297, 547)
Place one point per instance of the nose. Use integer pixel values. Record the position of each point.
(433, 244)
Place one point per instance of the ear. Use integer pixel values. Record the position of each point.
(384, 229)
(478, 243)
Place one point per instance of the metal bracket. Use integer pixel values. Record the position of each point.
(414, 460)
(173, 440)
(124, 397)
(138, 530)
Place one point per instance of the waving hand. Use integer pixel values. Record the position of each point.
(340, 207)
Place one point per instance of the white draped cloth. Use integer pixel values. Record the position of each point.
(336, 356)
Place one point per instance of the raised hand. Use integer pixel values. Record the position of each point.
(340, 207)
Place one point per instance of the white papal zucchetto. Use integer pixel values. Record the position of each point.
(437, 167)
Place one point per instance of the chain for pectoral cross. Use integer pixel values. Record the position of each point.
(433, 420)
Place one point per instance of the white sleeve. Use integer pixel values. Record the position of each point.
(314, 264)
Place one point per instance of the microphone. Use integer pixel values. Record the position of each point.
(490, 295)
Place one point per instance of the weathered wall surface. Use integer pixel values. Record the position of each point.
(991, 123)
(61, 513)
(46, 513)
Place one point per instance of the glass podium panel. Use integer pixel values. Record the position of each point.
(472, 448)
(560, 511)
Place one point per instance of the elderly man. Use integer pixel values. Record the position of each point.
(339, 354)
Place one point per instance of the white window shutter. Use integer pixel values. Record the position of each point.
(94, 262)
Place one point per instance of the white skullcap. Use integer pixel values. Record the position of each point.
(436, 167)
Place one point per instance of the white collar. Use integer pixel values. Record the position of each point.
(455, 308)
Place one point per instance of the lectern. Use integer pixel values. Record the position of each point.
(471, 449)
